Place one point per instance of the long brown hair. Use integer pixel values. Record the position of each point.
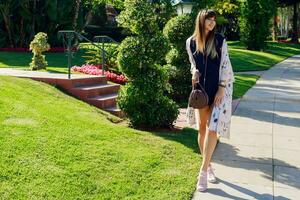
(199, 33)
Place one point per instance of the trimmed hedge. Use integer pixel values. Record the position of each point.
(255, 22)
(177, 30)
(140, 57)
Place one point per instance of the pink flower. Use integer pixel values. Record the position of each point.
(97, 70)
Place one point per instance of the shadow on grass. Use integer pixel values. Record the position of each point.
(247, 60)
(244, 60)
(186, 136)
(281, 49)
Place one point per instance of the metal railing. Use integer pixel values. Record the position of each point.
(71, 40)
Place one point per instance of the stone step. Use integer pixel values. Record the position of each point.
(115, 111)
(89, 91)
(74, 82)
(89, 81)
(103, 101)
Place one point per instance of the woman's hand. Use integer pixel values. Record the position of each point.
(219, 96)
(196, 77)
(194, 81)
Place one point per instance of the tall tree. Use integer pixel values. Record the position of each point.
(228, 18)
(294, 3)
(76, 13)
(255, 22)
(5, 11)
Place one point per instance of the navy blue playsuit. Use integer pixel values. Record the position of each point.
(213, 66)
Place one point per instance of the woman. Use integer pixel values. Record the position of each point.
(207, 46)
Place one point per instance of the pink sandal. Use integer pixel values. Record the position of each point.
(202, 181)
(211, 177)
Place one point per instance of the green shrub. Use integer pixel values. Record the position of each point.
(93, 55)
(138, 52)
(144, 102)
(255, 22)
(177, 30)
(140, 57)
(38, 45)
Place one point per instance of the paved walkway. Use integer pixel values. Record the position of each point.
(262, 158)
(38, 74)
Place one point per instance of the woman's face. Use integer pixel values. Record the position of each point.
(210, 23)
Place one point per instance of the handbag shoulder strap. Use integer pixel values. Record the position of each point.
(205, 68)
(205, 65)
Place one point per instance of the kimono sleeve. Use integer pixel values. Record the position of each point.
(191, 59)
(226, 67)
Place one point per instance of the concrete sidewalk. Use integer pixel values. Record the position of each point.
(262, 158)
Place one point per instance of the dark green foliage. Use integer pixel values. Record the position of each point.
(144, 102)
(137, 53)
(140, 57)
(255, 22)
(227, 18)
(94, 12)
(202, 4)
(177, 30)
(165, 11)
(21, 20)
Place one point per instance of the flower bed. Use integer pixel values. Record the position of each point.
(97, 70)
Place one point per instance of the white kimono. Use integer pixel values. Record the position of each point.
(221, 115)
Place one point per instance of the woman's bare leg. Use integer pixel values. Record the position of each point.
(203, 116)
(210, 144)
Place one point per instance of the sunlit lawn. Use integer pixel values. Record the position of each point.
(53, 146)
(242, 59)
(245, 60)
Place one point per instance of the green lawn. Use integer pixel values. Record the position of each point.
(56, 147)
(245, 60)
(242, 59)
(243, 82)
(57, 62)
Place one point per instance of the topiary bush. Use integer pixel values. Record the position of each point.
(140, 57)
(177, 30)
(255, 22)
(38, 45)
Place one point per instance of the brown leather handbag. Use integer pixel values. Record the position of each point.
(198, 98)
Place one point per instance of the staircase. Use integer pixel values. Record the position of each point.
(93, 90)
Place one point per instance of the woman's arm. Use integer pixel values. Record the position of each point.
(192, 61)
(191, 58)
